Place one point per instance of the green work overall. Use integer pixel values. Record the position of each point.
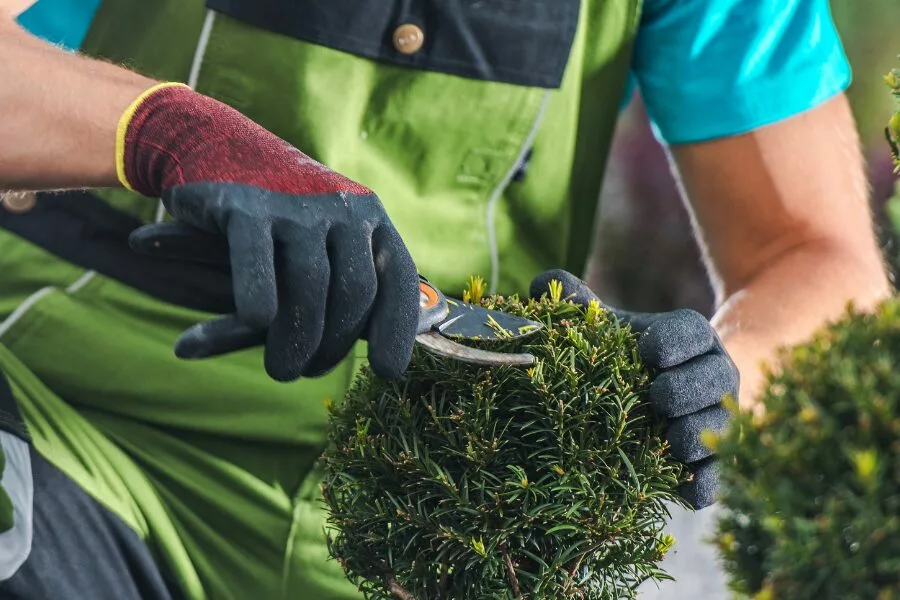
(210, 463)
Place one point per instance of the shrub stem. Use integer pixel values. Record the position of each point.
(397, 590)
(511, 575)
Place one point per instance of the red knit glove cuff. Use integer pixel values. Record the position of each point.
(172, 136)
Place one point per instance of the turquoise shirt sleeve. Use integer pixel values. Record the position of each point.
(61, 22)
(713, 68)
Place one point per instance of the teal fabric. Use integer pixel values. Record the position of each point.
(62, 22)
(714, 68)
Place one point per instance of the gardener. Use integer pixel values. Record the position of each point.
(482, 126)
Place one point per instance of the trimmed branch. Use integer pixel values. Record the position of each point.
(397, 590)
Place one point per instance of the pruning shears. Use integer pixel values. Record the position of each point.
(443, 321)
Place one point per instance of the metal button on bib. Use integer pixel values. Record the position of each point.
(18, 202)
(408, 38)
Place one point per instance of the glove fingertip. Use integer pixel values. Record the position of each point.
(685, 434)
(703, 488)
(256, 282)
(540, 285)
(572, 286)
(189, 347)
(281, 370)
(394, 320)
(670, 339)
(141, 240)
(222, 335)
(319, 369)
(391, 342)
(391, 366)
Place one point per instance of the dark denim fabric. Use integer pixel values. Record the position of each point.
(81, 550)
(88, 232)
(523, 42)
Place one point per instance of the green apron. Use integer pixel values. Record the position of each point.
(437, 149)
(211, 462)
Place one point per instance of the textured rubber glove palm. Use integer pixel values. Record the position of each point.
(692, 374)
(315, 260)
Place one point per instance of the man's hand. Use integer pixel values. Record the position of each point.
(692, 374)
(315, 260)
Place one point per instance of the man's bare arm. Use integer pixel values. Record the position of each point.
(14, 7)
(58, 112)
(783, 215)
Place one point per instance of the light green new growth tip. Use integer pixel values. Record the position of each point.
(892, 131)
(475, 289)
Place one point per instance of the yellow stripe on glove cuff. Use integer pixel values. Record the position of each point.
(125, 121)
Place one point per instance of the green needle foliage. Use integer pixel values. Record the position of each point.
(892, 131)
(812, 489)
(467, 482)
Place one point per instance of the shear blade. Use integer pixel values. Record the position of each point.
(473, 322)
(440, 345)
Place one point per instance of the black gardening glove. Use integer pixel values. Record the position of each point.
(692, 374)
(316, 262)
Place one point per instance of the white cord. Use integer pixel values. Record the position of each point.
(501, 187)
(196, 65)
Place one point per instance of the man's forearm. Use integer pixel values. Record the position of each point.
(798, 293)
(58, 114)
(783, 217)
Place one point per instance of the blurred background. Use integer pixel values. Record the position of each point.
(646, 257)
